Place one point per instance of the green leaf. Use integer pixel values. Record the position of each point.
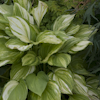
(17, 44)
(8, 32)
(64, 79)
(21, 12)
(48, 37)
(62, 22)
(2, 26)
(6, 9)
(80, 85)
(72, 29)
(15, 91)
(31, 59)
(37, 84)
(39, 12)
(20, 28)
(79, 46)
(20, 72)
(78, 97)
(60, 60)
(24, 3)
(4, 62)
(78, 65)
(8, 54)
(3, 35)
(51, 92)
(85, 32)
(46, 50)
(2, 19)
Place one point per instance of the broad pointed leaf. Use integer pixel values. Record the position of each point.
(24, 3)
(20, 72)
(37, 84)
(80, 85)
(15, 91)
(20, 28)
(2, 19)
(4, 62)
(22, 12)
(62, 22)
(51, 92)
(3, 35)
(39, 12)
(46, 50)
(60, 60)
(78, 97)
(17, 44)
(48, 37)
(64, 79)
(31, 59)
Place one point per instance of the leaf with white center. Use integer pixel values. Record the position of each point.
(37, 84)
(3, 35)
(8, 54)
(48, 37)
(78, 97)
(6, 9)
(46, 50)
(39, 12)
(31, 59)
(80, 85)
(24, 3)
(67, 45)
(21, 12)
(60, 60)
(85, 32)
(62, 22)
(64, 79)
(72, 29)
(14, 90)
(17, 44)
(20, 72)
(20, 28)
(79, 46)
(51, 92)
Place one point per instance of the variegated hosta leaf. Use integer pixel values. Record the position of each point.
(24, 3)
(7, 54)
(72, 29)
(48, 37)
(79, 46)
(17, 44)
(67, 45)
(37, 84)
(3, 35)
(14, 90)
(64, 79)
(62, 22)
(78, 97)
(31, 59)
(20, 72)
(78, 65)
(4, 62)
(8, 32)
(93, 93)
(6, 9)
(80, 85)
(60, 60)
(51, 92)
(22, 12)
(92, 81)
(39, 12)
(85, 32)
(20, 28)
(46, 50)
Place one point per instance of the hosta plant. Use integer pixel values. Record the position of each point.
(39, 59)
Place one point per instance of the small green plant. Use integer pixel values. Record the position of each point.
(39, 59)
